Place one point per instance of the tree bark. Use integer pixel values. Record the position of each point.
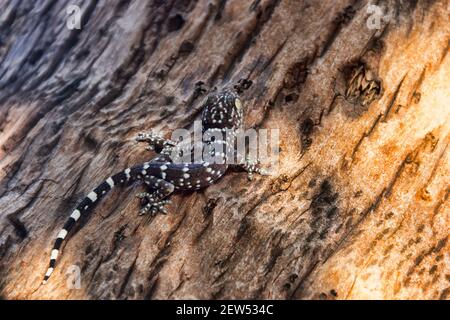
(358, 208)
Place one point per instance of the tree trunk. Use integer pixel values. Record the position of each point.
(357, 209)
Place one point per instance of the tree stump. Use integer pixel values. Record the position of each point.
(358, 208)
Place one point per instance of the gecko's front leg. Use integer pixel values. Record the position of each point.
(156, 142)
(155, 201)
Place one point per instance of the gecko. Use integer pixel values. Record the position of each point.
(222, 113)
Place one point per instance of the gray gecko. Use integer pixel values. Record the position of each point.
(222, 112)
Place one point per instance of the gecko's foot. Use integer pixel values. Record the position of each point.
(147, 136)
(150, 205)
(154, 140)
(253, 167)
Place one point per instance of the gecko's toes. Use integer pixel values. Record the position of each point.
(141, 136)
(153, 208)
(142, 195)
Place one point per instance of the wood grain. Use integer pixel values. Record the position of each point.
(358, 208)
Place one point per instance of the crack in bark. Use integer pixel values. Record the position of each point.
(393, 99)
(301, 281)
(159, 260)
(262, 16)
(127, 277)
(380, 118)
(343, 18)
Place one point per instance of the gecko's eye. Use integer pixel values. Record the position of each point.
(238, 103)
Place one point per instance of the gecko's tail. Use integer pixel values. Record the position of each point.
(84, 207)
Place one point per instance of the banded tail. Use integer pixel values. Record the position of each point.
(86, 205)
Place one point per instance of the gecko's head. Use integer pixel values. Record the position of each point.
(222, 110)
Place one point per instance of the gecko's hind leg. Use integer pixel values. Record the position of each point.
(155, 199)
(252, 167)
(156, 142)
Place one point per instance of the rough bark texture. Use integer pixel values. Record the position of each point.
(358, 209)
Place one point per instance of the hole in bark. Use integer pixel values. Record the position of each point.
(210, 205)
(175, 23)
(291, 97)
(242, 85)
(186, 48)
(296, 74)
(324, 211)
(416, 97)
(306, 128)
(323, 296)
(362, 86)
(19, 227)
(119, 234)
(293, 277)
(90, 141)
(199, 89)
(35, 56)
(286, 286)
(346, 16)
